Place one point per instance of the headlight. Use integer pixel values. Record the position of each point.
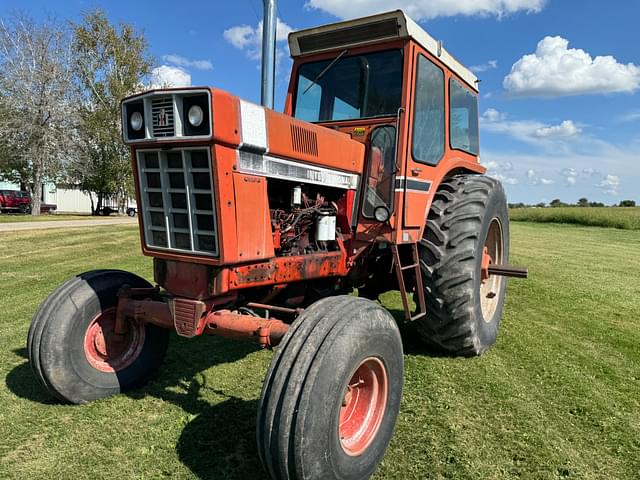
(381, 213)
(136, 121)
(195, 116)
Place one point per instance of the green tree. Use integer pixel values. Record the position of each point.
(37, 118)
(583, 202)
(556, 202)
(111, 63)
(628, 203)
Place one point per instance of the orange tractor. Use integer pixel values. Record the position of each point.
(261, 224)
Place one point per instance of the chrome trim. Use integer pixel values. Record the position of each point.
(148, 99)
(268, 166)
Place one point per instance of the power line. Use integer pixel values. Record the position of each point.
(255, 12)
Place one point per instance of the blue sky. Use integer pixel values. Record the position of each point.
(560, 91)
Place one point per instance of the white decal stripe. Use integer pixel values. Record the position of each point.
(273, 167)
(253, 124)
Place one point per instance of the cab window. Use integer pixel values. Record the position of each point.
(381, 170)
(463, 118)
(428, 117)
(350, 87)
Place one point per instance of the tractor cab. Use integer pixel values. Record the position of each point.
(388, 84)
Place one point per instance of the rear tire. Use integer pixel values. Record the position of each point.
(332, 393)
(468, 213)
(71, 347)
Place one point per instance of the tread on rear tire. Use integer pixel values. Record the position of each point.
(462, 319)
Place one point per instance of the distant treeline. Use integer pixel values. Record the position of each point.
(583, 202)
(626, 218)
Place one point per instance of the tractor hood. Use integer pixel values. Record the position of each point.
(267, 142)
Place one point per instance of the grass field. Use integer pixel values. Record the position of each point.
(557, 397)
(623, 218)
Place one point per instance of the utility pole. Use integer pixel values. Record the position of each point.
(268, 53)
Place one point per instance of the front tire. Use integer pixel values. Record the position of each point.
(469, 213)
(73, 350)
(332, 393)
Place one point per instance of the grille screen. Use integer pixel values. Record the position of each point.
(163, 117)
(349, 36)
(177, 200)
(304, 141)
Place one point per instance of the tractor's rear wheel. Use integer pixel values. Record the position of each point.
(332, 393)
(468, 219)
(73, 349)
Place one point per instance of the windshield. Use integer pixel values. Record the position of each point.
(359, 86)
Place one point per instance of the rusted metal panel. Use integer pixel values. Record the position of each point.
(288, 269)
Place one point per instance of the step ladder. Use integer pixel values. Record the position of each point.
(421, 307)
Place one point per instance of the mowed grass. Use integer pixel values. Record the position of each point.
(557, 397)
(626, 218)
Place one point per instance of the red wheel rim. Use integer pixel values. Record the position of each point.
(105, 350)
(363, 406)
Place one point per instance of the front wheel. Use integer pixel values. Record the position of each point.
(73, 349)
(332, 393)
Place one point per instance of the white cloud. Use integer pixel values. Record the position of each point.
(528, 130)
(591, 172)
(570, 175)
(501, 171)
(168, 76)
(602, 171)
(565, 129)
(427, 9)
(535, 179)
(185, 62)
(504, 178)
(493, 115)
(240, 36)
(246, 37)
(609, 185)
(556, 70)
(495, 166)
(490, 65)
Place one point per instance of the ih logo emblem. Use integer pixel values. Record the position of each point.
(162, 118)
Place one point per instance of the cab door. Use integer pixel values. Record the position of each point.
(426, 140)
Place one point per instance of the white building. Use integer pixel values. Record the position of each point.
(67, 200)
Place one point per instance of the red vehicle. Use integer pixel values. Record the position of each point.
(15, 201)
(261, 224)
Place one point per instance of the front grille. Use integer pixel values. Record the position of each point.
(178, 201)
(163, 117)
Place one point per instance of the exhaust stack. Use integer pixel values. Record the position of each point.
(268, 53)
